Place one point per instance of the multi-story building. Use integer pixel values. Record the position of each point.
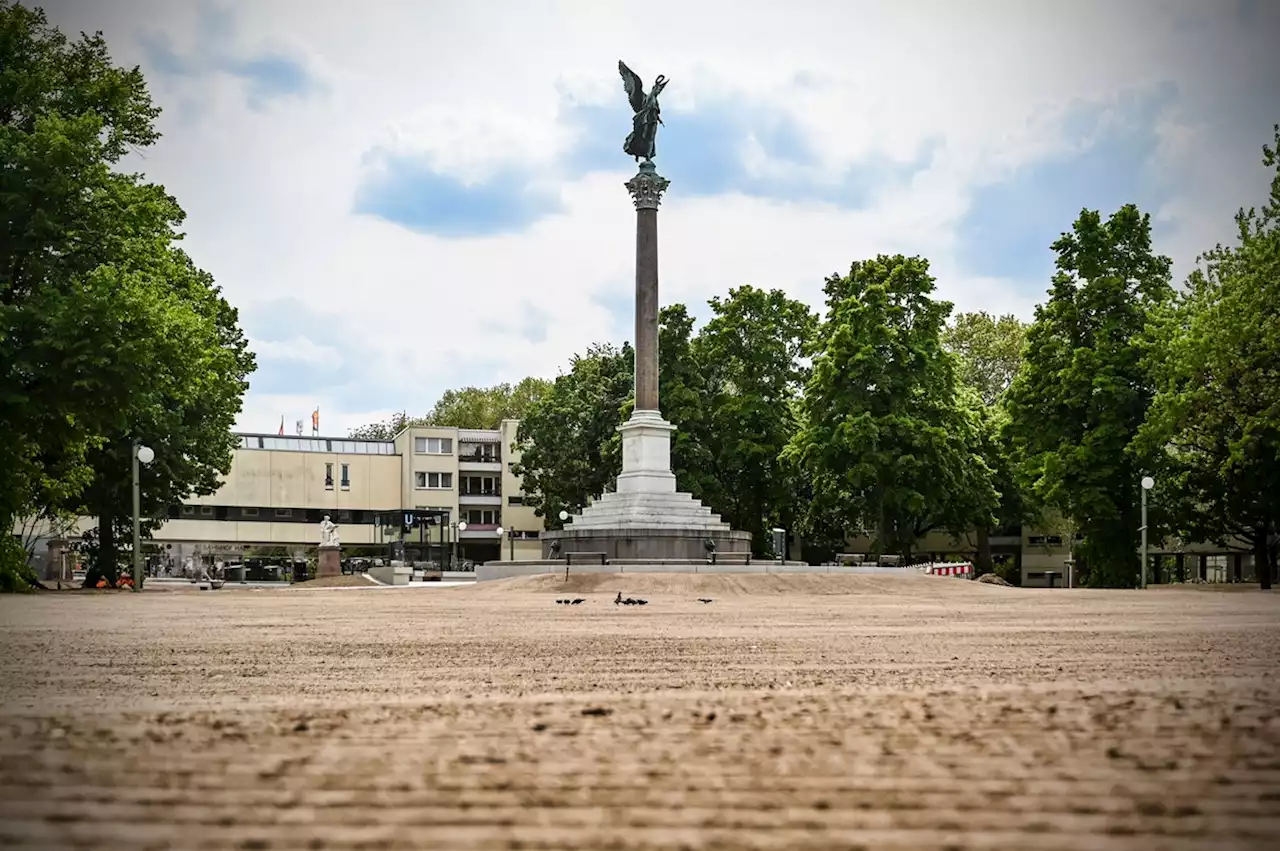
(453, 488)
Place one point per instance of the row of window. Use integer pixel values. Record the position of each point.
(317, 444)
(328, 477)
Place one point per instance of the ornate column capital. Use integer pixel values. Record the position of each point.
(646, 188)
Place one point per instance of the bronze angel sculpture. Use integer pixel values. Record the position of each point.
(642, 140)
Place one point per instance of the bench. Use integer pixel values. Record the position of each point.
(595, 557)
(850, 558)
(728, 558)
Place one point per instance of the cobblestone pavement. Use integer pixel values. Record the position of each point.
(790, 713)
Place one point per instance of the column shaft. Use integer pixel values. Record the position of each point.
(646, 309)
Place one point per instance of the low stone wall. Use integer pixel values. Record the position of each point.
(391, 575)
(507, 569)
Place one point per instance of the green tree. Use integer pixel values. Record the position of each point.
(1083, 390)
(750, 351)
(93, 297)
(195, 383)
(388, 428)
(990, 351)
(1214, 425)
(892, 442)
(487, 407)
(568, 439)
(469, 407)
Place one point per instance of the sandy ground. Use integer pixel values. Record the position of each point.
(793, 712)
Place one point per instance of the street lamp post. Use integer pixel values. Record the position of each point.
(461, 526)
(141, 455)
(500, 531)
(1147, 484)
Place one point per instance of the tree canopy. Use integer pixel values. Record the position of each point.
(890, 438)
(1214, 425)
(1084, 389)
(990, 351)
(96, 300)
(467, 407)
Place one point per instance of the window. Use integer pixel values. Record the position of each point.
(515, 500)
(433, 480)
(344, 517)
(328, 476)
(284, 512)
(433, 445)
(206, 510)
(481, 516)
(479, 486)
(248, 512)
(346, 477)
(188, 510)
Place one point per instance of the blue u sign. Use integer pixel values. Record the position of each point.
(408, 520)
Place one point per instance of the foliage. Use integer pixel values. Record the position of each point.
(890, 439)
(750, 351)
(990, 351)
(568, 439)
(95, 302)
(1214, 426)
(469, 407)
(1083, 390)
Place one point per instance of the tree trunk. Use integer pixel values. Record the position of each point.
(106, 565)
(984, 551)
(1262, 556)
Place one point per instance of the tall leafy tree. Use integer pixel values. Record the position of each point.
(751, 353)
(1214, 426)
(890, 439)
(1084, 389)
(93, 295)
(468, 407)
(990, 351)
(568, 439)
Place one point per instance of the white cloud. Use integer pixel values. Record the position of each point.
(297, 350)
(474, 86)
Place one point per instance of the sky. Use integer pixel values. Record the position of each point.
(402, 198)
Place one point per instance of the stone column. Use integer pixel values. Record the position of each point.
(646, 190)
(646, 437)
(330, 561)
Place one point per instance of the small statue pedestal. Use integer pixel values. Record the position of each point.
(330, 561)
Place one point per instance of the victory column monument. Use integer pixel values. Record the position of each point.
(646, 518)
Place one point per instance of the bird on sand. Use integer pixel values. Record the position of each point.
(704, 599)
(578, 601)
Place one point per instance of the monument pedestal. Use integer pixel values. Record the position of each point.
(646, 518)
(330, 562)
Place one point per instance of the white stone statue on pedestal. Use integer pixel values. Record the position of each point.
(328, 532)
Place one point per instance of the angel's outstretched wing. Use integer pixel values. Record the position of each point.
(631, 82)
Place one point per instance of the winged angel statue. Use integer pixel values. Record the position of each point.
(642, 140)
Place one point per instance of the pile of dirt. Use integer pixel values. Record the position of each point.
(909, 583)
(360, 581)
(992, 579)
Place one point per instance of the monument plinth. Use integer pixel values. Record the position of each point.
(330, 561)
(646, 518)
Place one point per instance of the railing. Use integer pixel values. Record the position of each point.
(481, 457)
(480, 492)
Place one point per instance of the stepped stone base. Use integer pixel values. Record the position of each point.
(655, 543)
(646, 518)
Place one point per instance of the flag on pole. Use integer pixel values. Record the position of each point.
(315, 420)
(282, 425)
(299, 428)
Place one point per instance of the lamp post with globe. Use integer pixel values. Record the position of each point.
(141, 455)
(1147, 484)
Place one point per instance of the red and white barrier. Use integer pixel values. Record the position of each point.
(948, 569)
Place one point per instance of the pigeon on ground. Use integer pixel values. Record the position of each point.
(704, 599)
(578, 601)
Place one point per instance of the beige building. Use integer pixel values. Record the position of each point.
(453, 486)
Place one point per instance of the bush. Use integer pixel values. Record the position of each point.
(16, 576)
